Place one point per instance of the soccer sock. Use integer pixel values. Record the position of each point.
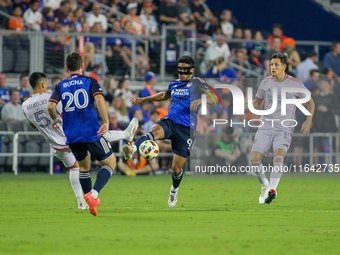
(176, 179)
(103, 177)
(275, 175)
(113, 135)
(75, 182)
(257, 166)
(147, 136)
(85, 181)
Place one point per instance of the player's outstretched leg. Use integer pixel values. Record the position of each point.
(127, 134)
(156, 133)
(177, 175)
(130, 148)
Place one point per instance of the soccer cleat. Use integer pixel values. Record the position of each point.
(83, 206)
(92, 202)
(271, 195)
(173, 196)
(129, 149)
(264, 194)
(131, 129)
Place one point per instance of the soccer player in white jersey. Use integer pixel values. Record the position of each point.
(274, 133)
(35, 110)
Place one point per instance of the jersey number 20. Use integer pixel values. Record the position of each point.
(75, 98)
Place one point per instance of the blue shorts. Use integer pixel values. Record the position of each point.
(182, 137)
(100, 149)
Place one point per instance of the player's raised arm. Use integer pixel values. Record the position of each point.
(305, 128)
(52, 107)
(161, 96)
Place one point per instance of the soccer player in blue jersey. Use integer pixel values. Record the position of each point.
(78, 94)
(179, 124)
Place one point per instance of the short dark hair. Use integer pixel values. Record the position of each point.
(74, 61)
(23, 75)
(187, 60)
(14, 90)
(278, 25)
(282, 56)
(33, 2)
(36, 78)
(277, 37)
(311, 53)
(311, 72)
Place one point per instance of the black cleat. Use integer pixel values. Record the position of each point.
(271, 195)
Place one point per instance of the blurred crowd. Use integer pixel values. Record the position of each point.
(219, 59)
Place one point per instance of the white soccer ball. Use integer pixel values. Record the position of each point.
(148, 149)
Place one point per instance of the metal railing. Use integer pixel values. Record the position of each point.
(15, 154)
(331, 157)
(37, 49)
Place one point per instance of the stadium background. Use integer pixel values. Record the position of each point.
(156, 50)
(214, 215)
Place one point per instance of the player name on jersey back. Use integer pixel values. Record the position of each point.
(72, 82)
(37, 104)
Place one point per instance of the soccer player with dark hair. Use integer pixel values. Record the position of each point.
(78, 94)
(275, 133)
(179, 124)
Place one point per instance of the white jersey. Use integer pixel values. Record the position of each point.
(265, 93)
(35, 110)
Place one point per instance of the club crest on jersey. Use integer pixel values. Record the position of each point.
(189, 84)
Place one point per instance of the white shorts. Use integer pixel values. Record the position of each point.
(267, 136)
(66, 156)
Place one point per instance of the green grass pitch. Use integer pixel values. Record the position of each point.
(214, 215)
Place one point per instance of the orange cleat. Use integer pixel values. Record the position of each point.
(92, 202)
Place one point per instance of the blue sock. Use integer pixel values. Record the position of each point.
(176, 179)
(103, 177)
(85, 181)
(140, 140)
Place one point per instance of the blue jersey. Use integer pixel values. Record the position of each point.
(5, 94)
(80, 121)
(182, 94)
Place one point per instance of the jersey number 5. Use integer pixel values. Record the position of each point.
(42, 120)
(75, 98)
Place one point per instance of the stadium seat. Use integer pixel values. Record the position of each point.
(31, 144)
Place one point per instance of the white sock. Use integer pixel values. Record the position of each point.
(113, 135)
(257, 167)
(75, 183)
(94, 193)
(277, 172)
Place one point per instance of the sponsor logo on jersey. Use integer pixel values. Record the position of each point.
(180, 92)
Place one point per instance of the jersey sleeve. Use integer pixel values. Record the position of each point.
(260, 92)
(59, 108)
(55, 97)
(95, 88)
(300, 94)
(168, 91)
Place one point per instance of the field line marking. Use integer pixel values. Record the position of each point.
(236, 210)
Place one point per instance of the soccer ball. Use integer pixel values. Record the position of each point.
(148, 149)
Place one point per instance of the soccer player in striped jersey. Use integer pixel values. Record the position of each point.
(35, 111)
(78, 94)
(179, 124)
(274, 133)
